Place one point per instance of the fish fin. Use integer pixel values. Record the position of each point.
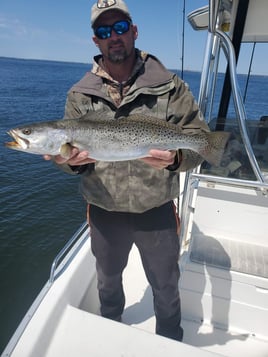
(65, 150)
(217, 141)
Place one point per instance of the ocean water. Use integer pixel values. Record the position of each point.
(40, 206)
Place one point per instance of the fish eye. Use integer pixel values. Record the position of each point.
(26, 131)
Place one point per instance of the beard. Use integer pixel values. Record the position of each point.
(118, 55)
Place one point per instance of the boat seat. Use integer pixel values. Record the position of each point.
(229, 254)
(229, 232)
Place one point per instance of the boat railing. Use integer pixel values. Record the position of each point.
(238, 102)
(62, 260)
(217, 40)
(219, 36)
(231, 182)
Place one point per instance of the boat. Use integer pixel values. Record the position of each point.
(224, 247)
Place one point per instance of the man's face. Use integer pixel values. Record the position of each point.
(116, 48)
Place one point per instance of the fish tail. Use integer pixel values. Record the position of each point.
(214, 151)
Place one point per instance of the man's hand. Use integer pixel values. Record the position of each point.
(160, 159)
(76, 158)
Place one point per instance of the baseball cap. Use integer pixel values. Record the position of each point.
(102, 6)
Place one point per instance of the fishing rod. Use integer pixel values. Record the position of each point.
(182, 44)
(249, 72)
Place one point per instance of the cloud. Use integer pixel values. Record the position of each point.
(26, 40)
(12, 27)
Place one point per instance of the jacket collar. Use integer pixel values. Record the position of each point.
(155, 73)
(149, 72)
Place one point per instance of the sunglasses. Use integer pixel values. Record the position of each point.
(119, 27)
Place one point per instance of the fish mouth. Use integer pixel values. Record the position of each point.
(19, 143)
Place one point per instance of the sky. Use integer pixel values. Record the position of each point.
(60, 30)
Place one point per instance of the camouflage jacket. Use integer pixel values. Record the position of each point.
(133, 186)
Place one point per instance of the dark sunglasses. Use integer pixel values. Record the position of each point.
(119, 27)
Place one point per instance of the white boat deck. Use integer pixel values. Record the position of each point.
(139, 313)
(68, 328)
(224, 300)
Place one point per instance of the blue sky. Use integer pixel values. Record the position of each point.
(60, 30)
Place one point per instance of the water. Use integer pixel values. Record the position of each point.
(40, 207)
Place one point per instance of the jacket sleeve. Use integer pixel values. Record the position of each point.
(184, 111)
(77, 104)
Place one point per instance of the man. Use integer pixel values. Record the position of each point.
(131, 202)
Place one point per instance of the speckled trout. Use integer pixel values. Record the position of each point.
(124, 138)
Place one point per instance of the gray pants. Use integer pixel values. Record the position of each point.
(155, 235)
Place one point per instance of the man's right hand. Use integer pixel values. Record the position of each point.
(76, 158)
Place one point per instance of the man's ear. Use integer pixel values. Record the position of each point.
(95, 40)
(135, 31)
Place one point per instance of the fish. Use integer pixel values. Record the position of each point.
(120, 139)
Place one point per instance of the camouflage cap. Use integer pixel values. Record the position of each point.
(102, 6)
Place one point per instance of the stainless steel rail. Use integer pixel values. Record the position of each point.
(216, 41)
(238, 102)
(65, 250)
(232, 181)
